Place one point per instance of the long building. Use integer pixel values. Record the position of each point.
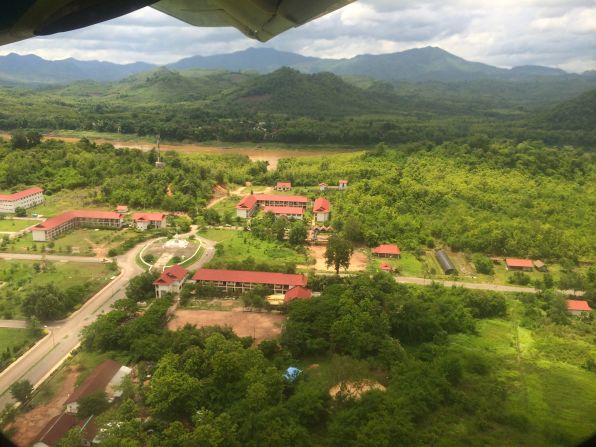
(240, 281)
(249, 205)
(57, 225)
(27, 198)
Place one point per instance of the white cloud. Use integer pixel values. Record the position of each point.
(560, 33)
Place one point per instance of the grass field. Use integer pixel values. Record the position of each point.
(12, 225)
(408, 264)
(82, 241)
(239, 245)
(545, 384)
(20, 274)
(14, 339)
(67, 200)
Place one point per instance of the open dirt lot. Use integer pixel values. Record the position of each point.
(28, 425)
(354, 390)
(358, 261)
(261, 326)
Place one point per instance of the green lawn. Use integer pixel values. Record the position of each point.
(67, 200)
(82, 241)
(13, 342)
(407, 265)
(12, 225)
(239, 245)
(545, 384)
(17, 275)
(14, 338)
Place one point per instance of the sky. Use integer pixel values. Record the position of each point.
(505, 33)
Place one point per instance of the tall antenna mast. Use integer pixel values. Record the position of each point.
(159, 163)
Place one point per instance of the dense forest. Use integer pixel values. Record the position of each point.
(439, 384)
(119, 176)
(287, 106)
(499, 198)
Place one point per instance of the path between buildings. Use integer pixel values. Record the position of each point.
(13, 324)
(215, 201)
(59, 258)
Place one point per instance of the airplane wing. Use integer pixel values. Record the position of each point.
(258, 19)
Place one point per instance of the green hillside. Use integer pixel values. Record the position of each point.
(289, 91)
(576, 114)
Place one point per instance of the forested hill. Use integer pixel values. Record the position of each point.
(578, 113)
(417, 64)
(291, 92)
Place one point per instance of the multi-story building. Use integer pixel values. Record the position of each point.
(27, 198)
(57, 225)
(239, 281)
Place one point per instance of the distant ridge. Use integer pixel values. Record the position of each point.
(419, 64)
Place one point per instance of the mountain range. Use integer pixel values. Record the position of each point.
(420, 64)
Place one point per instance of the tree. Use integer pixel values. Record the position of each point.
(338, 253)
(20, 212)
(45, 302)
(298, 233)
(93, 404)
(18, 139)
(21, 391)
(482, 264)
(141, 288)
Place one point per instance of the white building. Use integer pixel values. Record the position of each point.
(171, 280)
(321, 208)
(27, 198)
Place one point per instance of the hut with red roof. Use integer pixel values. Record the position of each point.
(387, 251)
(578, 307)
(171, 280)
(525, 265)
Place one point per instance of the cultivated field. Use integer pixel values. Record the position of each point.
(260, 326)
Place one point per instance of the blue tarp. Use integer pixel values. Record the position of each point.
(292, 373)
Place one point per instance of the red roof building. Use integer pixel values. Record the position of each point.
(58, 426)
(343, 184)
(576, 307)
(248, 205)
(171, 280)
(144, 221)
(57, 225)
(240, 281)
(283, 186)
(387, 251)
(297, 293)
(321, 208)
(97, 381)
(21, 194)
(519, 264)
(122, 209)
(290, 212)
(385, 267)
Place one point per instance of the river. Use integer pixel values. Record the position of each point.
(272, 156)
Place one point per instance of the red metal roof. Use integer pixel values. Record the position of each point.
(343, 181)
(322, 184)
(122, 208)
(386, 249)
(248, 202)
(148, 217)
(250, 277)
(321, 205)
(297, 293)
(284, 210)
(56, 428)
(284, 184)
(386, 267)
(521, 263)
(98, 380)
(21, 194)
(55, 221)
(281, 198)
(170, 275)
(580, 305)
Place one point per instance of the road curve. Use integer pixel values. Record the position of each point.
(37, 363)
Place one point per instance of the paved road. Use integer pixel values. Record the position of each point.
(477, 285)
(13, 324)
(63, 336)
(59, 258)
(37, 363)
